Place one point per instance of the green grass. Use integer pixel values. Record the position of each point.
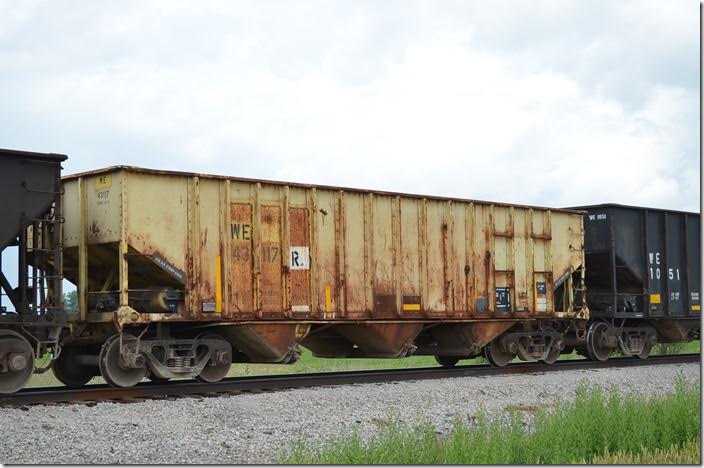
(592, 428)
(677, 348)
(688, 453)
(309, 364)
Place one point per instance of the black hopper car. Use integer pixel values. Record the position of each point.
(643, 278)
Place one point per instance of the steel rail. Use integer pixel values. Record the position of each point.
(233, 385)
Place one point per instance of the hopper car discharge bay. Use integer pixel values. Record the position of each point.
(182, 275)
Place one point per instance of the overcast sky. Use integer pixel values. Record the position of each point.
(552, 103)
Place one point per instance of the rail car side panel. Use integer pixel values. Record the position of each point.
(642, 262)
(255, 250)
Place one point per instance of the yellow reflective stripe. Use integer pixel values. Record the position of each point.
(328, 298)
(655, 298)
(411, 306)
(218, 285)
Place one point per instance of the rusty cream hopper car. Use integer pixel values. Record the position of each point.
(198, 271)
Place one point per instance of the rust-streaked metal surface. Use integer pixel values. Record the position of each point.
(254, 250)
(298, 184)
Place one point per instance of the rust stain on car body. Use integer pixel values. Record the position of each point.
(250, 250)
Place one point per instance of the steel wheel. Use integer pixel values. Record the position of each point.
(597, 348)
(111, 367)
(214, 372)
(552, 356)
(155, 379)
(17, 357)
(447, 361)
(495, 355)
(68, 371)
(646, 351)
(582, 351)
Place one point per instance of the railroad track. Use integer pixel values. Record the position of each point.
(236, 385)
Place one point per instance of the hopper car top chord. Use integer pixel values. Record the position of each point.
(181, 275)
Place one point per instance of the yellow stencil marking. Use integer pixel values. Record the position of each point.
(411, 306)
(655, 298)
(328, 298)
(103, 182)
(218, 285)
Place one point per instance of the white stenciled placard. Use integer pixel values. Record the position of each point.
(299, 258)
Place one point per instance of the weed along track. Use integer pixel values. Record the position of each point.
(233, 386)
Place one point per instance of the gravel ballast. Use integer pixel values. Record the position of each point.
(254, 428)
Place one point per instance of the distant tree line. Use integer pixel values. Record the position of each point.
(71, 302)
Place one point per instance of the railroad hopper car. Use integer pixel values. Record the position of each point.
(643, 275)
(31, 309)
(182, 274)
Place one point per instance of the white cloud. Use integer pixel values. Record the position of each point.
(550, 103)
